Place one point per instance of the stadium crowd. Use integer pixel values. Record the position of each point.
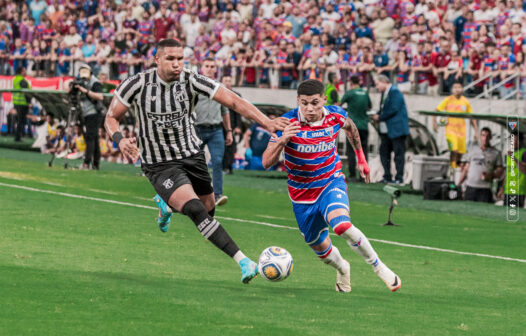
(422, 45)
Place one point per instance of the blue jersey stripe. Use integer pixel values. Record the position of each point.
(317, 172)
(313, 184)
(300, 162)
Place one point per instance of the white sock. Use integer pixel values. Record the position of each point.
(239, 256)
(334, 259)
(360, 244)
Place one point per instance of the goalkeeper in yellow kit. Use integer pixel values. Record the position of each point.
(456, 127)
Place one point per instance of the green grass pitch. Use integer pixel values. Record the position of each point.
(79, 266)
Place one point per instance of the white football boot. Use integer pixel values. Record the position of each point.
(343, 280)
(391, 280)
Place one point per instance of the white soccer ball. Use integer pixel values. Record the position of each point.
(275, 263)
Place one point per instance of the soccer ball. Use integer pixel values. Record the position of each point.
(275, 263)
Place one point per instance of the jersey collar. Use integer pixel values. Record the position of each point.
(316, 123)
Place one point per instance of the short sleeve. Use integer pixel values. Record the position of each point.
(96, 87)
(442, 105)
(341, 115)
(128, 90)
(467, 157)
(468, 107)
(204, 85)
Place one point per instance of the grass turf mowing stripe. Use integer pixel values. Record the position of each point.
(260, 223)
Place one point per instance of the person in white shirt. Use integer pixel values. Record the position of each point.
(73, 38)
(454, 11)
(228, 33)
(268, 8)
(484, 14)
(329, 15)
(191, 30)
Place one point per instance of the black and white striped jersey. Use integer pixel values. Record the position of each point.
(165, 112)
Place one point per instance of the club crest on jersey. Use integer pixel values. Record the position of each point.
(180, 96)
(168, 183)
(321, 147)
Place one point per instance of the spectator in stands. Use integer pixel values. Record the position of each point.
(453, 72)
(130, 30)
(483, 164)
(381, 60)
(393, 127)
(383, 26)
(421, 66)
(358, 103)
(440, 61)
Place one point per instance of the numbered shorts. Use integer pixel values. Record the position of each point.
(456, 143)
(312, 218)
(166, 177)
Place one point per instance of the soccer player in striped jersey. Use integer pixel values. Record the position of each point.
(317, 185)
(163, 100)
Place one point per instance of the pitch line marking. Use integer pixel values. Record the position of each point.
(423, 247)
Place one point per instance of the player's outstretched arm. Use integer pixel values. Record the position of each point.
(351, 131)
(275, 147)
(229, 99)
(127, 146)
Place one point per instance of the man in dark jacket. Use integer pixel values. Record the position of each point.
(394, 128)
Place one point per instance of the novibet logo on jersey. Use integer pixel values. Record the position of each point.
(321, 147)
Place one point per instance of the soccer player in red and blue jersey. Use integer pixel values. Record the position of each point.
(317, 185)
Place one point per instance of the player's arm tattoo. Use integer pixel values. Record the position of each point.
(351, 131)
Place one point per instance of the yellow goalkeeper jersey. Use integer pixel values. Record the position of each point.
(455, 126)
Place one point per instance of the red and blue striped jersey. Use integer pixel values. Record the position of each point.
(311, 156)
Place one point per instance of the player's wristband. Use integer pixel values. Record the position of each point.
(361, 160)
(228, 130)
(117, 137)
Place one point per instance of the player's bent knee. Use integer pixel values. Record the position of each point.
(340, 224)
(194, 208)
(324, 253)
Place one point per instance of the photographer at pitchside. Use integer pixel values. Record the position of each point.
(86, 91)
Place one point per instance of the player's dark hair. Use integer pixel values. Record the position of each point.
(486, 129)
(168, 43)
(19, 70)
(311, 87)
(458, 82)
(355, 80)
(225, 76)
(331, 76)
(209, 59)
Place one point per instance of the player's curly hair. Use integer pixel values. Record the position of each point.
(311, 87)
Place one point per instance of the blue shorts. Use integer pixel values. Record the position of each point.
(312, 218)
